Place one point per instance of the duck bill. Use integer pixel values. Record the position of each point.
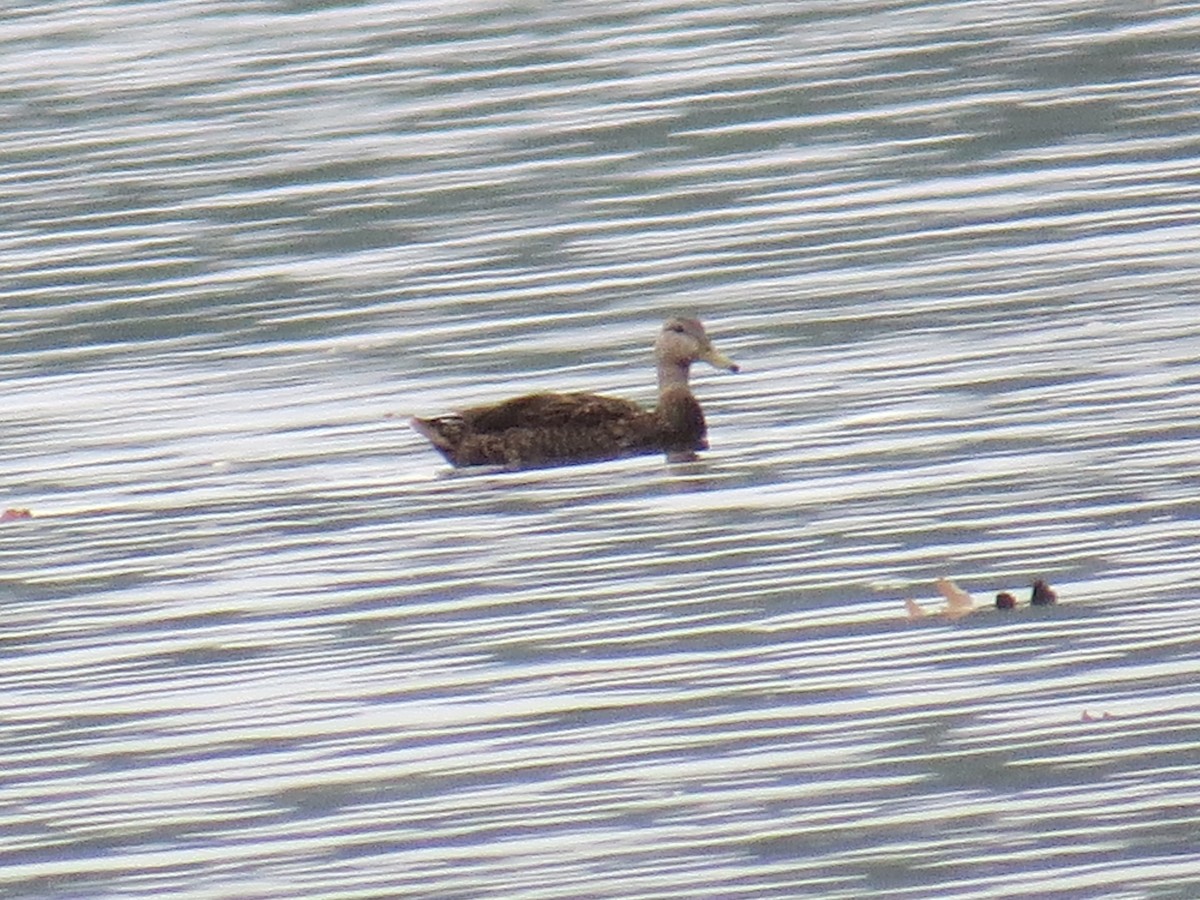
(719, 360)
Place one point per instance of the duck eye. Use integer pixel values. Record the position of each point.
(678, 329)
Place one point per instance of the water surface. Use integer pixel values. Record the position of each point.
(260, 642)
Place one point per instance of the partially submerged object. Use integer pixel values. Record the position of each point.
(959, 602)
(556, 429)
(1043, 594)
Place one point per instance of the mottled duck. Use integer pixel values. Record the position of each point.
(558, 429)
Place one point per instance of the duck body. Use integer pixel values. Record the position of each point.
(548, 429)
(557, 429)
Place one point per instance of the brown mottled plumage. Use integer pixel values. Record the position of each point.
(555, 429)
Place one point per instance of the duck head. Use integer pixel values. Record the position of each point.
(681, 343)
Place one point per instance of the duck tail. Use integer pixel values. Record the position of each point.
(444, 432)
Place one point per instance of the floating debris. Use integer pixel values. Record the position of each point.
(959, 602)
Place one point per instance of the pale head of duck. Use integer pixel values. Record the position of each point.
(681, 343)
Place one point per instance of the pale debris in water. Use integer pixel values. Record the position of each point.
(958, 602)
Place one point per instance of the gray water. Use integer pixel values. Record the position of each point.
(260, 642)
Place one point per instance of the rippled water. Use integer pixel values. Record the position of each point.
(260, 642)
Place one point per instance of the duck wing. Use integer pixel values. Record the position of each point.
(543, 430)
(550, 411)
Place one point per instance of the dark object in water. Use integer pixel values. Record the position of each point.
(1043, 594)
(1005, 600)
(556, 429)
